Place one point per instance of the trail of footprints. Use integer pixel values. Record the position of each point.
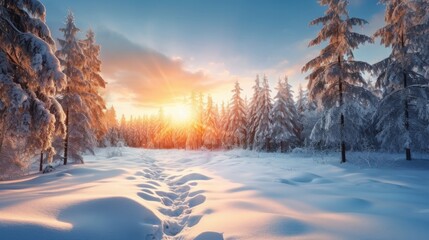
(177, 201)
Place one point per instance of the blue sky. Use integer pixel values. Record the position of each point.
(208, 44)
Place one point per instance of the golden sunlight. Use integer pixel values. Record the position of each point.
(179, 113)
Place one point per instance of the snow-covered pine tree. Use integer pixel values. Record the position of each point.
(30, 76)
(423, 30)
(280, 125)
(123, 129)
(79, 137)
(200, 120)
(179, 137)
(91, 72)
(163, 131)
(293, 113)
(336, 80)
(251, 113)
(308, 115)
(192, 139)
(302, 100)
(211, 132)
(285, 121)
(112, 136)
(110, 118)
(235, 136)
(401, 117)
(223, 124)
(263, 121)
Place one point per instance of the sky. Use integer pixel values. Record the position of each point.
(155, 53)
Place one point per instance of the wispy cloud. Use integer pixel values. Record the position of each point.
(145, 77)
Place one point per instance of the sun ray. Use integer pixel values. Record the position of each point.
(179, 113)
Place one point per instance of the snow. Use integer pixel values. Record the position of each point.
(238, 194)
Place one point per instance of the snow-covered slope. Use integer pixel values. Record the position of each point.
(171, 194)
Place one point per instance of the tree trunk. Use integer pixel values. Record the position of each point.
(41, 162)
(406, 112)
(407, 121)
(2, 128)
(282, 146)
(343, 144)
(66, 140)
(2, 133)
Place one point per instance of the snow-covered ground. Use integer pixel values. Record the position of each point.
(171, 194)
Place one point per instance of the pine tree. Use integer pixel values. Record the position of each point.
(200, 121)
(123, 129)
(110, 118)
(211, 133)
(308, 115)
(263, 121)
(423, 36)
(401, 77)
(91, 71)
(224, 113)
(336, 79)
(192, 141)
(302, 101)
(79, 136)
(30, 76)
(179, 137)
(235, 136)
(285, 121)
(161, 130)
(112, 136)
(252, 113)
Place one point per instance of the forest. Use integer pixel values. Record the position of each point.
(135, 144)
(51, 103)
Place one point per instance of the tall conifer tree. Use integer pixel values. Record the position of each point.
(336, 77)
(236, 123)
(402, 115)
(30, 77)
(80, 136)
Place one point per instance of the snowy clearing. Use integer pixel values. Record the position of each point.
(173, 194)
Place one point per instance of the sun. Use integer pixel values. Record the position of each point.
(179, 113)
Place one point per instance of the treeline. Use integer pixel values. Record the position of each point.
(260, 125)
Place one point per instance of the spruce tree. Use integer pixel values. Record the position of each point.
(263, 121)
(200, 120)
(235, 135)
(224, 113)
(308, 115)
(302, 100)
(285, 121)
(112, 136)
(402, 114)
(92, 97)
(252, 113)
(192, 141)
(30, 77)
(211, 126)
(336, 79)
(80, 136)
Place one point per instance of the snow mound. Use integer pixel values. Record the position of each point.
(288, 227)
(191, 177)
(106, 218)
(123, 218)
(345, 204)
(305, 178)
(210, 236)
